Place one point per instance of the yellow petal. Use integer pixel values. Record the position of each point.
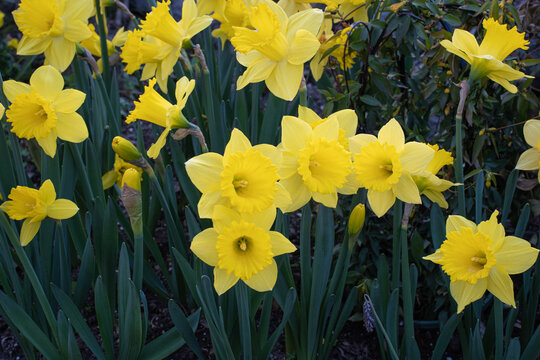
(435, 257)
(184, 87)
(263, 219)
(302, 48)
(348, 121)
(516, 255)
(529, 160)
(46, 192)
(328, 200)
(456, 222)
(436, 197)
(204, 170)
(309, 20)
(500, 285)
(238, 142)
(13, 88)
(392, 134)
(207, 202)
(33, 46)
(71, 127)
(381, 201)
(77, 31)
(450, 47)
(223, 216)
(60, 53)
(198, 25)
(531, 131)
(284, 81)
(78, 9)
(223, 281)
(328, 130)
(289, 164)
(108, 179)
(270, 152)
(299, 192)
(29, 229)
(257, 70)
(280, 244)
(307, 114)
(494, 230)
(503, 82)
(295, 133)
(154, 150)
(282, 197)
(47, 81)
(48, 144)
(358, 141)
(465, 41)
(465, 293)
(265, 279)
(204, 246)
(416, 157)
(499, 41)
(62, 209)
(351, 186)
(406, 190)
(68, 101)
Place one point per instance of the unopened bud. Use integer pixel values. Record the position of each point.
(125, 149)
(356, 220)
(132, 178)
(132, 198)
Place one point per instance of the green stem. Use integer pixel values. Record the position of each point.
(497, 308)
(458, 164)
(406, 278)
(398, 208)
(138, 253)
(104, 49)
(31, 274)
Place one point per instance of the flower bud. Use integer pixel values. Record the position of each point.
(132, 178)
(125, 149)
(356, 220)
(132, 198)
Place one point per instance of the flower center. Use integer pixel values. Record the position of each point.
(248, 181)
(243, 249)
(467, 256)
(324, 165)
(377, 166)
(31, 116)
(267, 37)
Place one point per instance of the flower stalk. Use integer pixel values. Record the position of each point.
(406, 277)
(458, 165)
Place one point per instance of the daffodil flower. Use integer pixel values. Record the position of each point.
(276, 50)
(53, 27)
(355, 9)
(241, 246)
(34, 206)
(235, 13)
(43, 111)
(480, 258)
(427, 181)
(530, 159)
(328, 40)
(315, 163)
(158, 44)
(487, 59)
(244, 178)
(385, 165)
(154, 108)
(291, 7)
(115, 175)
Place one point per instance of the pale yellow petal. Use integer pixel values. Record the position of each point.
(208, 201)
(309, 20)
(238, 142)
(380, 201)
(223, 216)
(47, 82)
(406, 190)
(265, 279)
(223, 281)
(62, 209)
(435, 257)
(204, 170)
(295, 133)
(531, 131)
(71, 127)
(299, 192)
(14, 88)
(307, 114)
(499, 41)
(450, 47)
(257, 70)
(351, 186)
(416, 157)
(282, 197)
(60, 53)
(289, 164)
(302, 48)
(516, 255)
(436, 197)
(328, 200)
(456, 222)
(465, 41)
(529, 160)
(501, 286)
(494, 230)
(358, 141)
(284, 81)
(48, 144)
(29, 229)
(465, 293)
(77, 31)
(280, 244)
(68, 101)
(264, 219)
(392, 134)
(328, 130)
(204, 246)
(348, 121)
(198, 25)
(46, 192)
(33, 46)
(108, 179)
(271, 152)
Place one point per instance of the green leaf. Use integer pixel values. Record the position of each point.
(184, 328)
(104, 317)
(370, 100)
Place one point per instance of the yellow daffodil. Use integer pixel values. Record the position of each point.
(276, 50)
(480, 258)
(235, 13)
(53, 27)
(347, 9)
(115, 175)
(315, 163)
(245, 178)
(530, 159)
(318, 63)
(154, 108)
(13, 44)
(241, 246)
(427, 181)
(34, 206)
(93, 44)
(385, 165)
(2, 109)
(43, 111)
(2, 15)
(487, 58)
(158, 44)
